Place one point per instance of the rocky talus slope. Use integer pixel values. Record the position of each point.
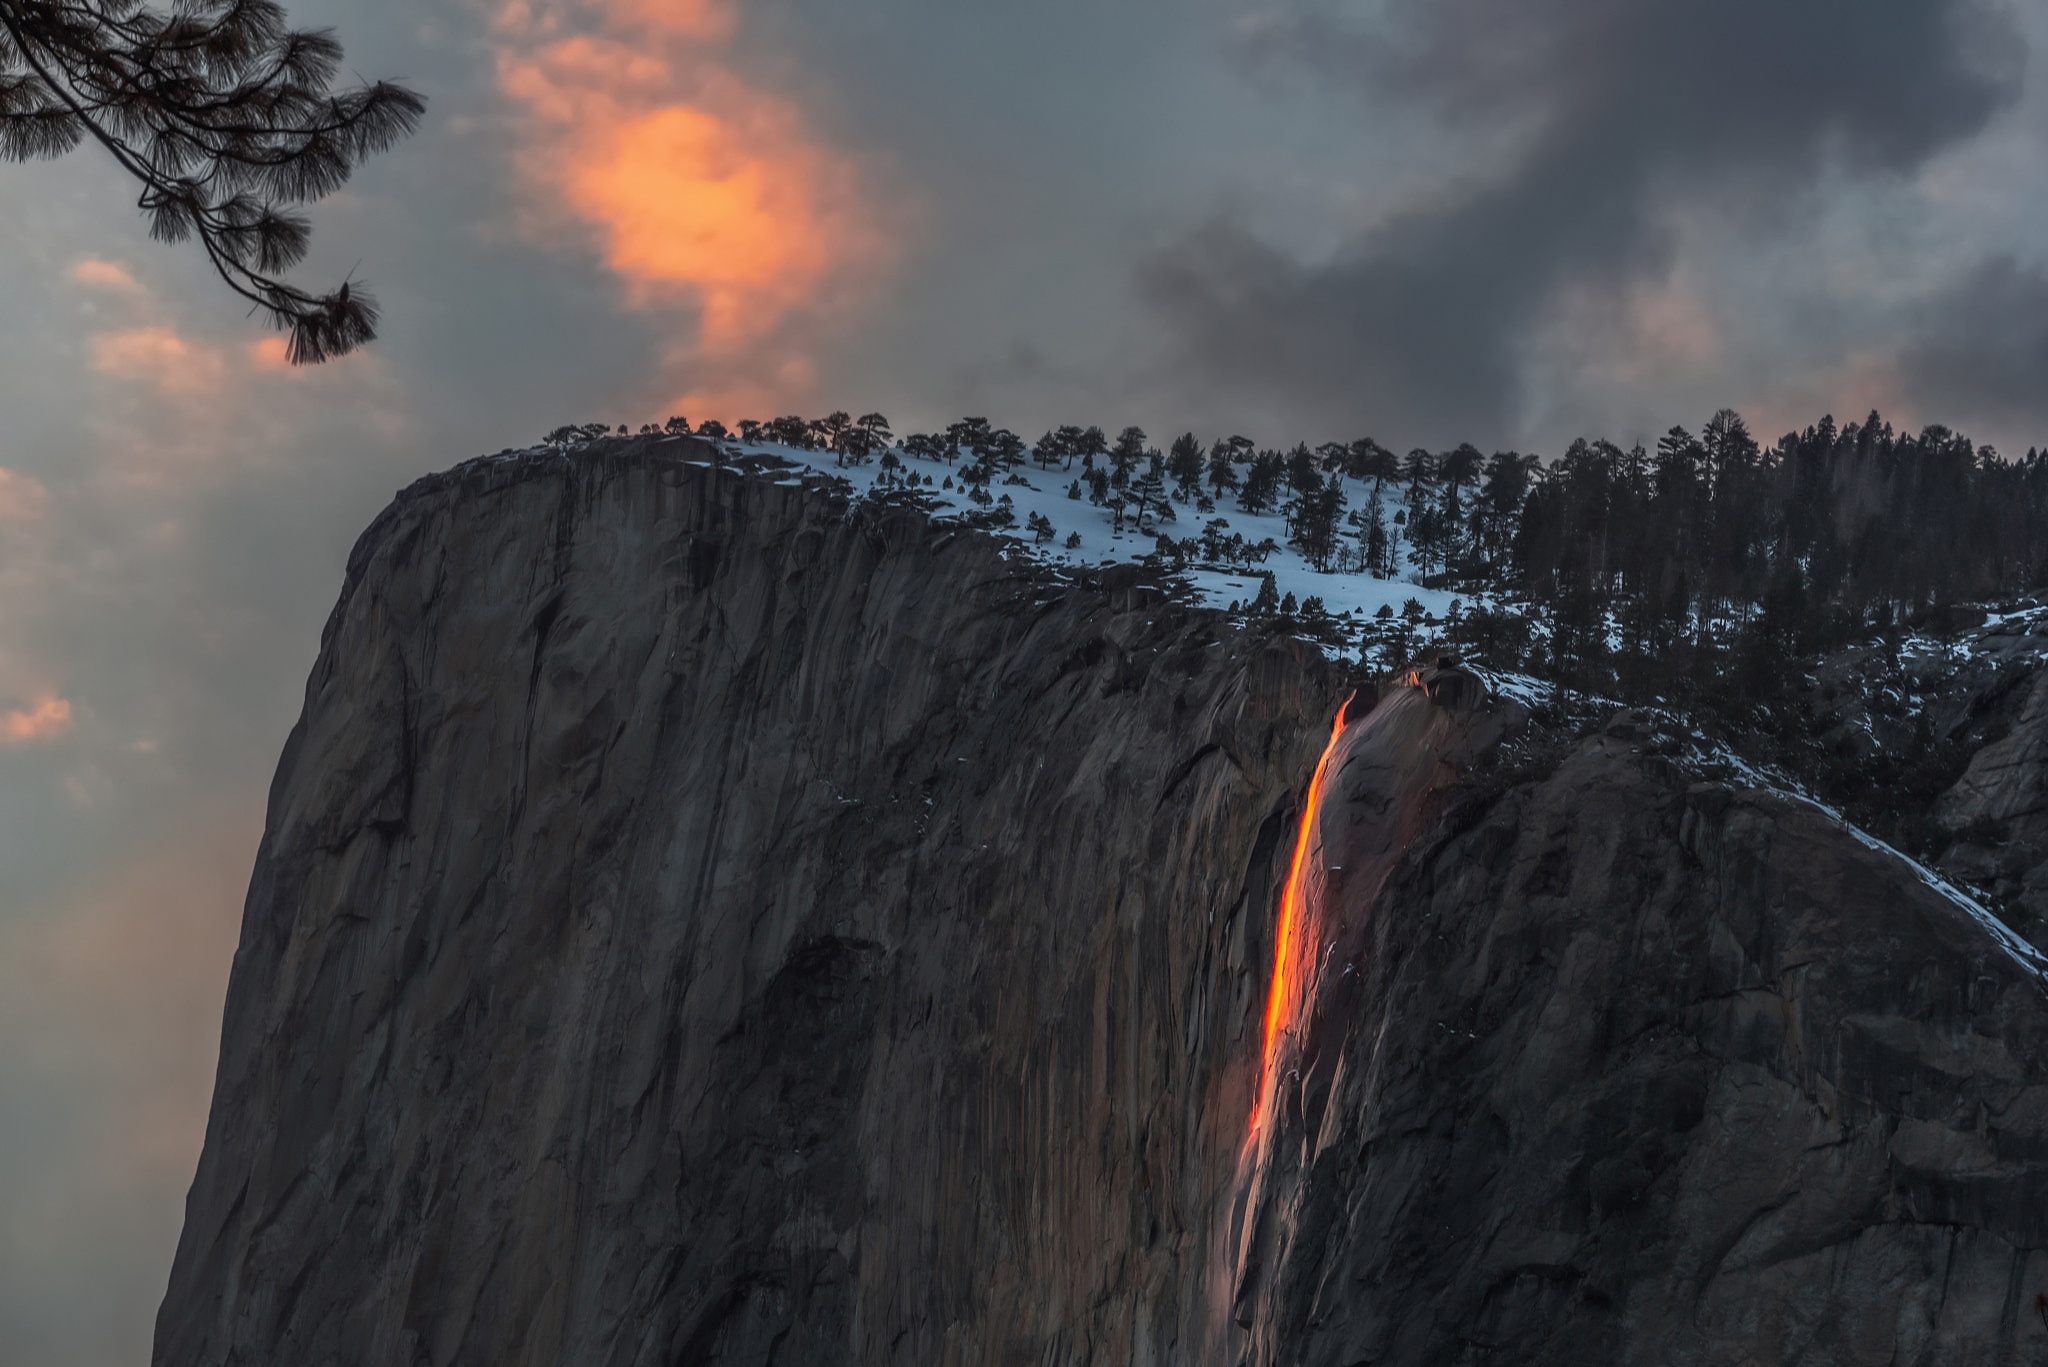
(701, 921)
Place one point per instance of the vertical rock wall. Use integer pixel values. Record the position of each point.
(1637, 1069)
(698, 921)
(698, 924)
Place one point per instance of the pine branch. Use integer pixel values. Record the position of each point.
(223, 114)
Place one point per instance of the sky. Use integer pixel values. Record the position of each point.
(1511, 222)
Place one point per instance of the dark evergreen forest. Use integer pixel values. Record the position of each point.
(1698, 565)
(1687, 573)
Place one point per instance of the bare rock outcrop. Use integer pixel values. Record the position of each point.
(1998, 808)
(702, 921)
(688, 909)
(1638, 1069)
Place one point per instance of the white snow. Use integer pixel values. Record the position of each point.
(1046, 492)
(2005, 937)
(2029, 615)
(2021, 952)
(1522, 688)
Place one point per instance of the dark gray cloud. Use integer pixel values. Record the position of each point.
(1620, 112)
(1981, 355)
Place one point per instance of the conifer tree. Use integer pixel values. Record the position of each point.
(1262, 482)
(1316, 517)
(1090, 446)
(875, 433)
(1070, 440)
(1377, 559)
(1003, 449)
(1149, 492)
(1184, 463)
(1124, 456)
(227, 118)
(1047, 450)
(970, 435)
(1222, 473)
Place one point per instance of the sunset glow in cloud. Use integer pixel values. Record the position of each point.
(161, 358)
(106, 275)
(43, 720)
(702, 190)
(147, 352)
(271, 353)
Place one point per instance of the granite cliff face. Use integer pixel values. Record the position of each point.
(1939, 740)
(702, 921)
(1997, 811)
(1622, 1067)
(687, 911)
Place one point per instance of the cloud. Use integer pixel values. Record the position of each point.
(22, 497)
(154, 353)
(106, 275)
(148, 353)
(1980, 356)
(43, 720)
(271, 353)
(1616, 120)
(161, 358)
(702, 192)
(1862, 381)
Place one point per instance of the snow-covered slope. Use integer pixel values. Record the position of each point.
(1046, 493)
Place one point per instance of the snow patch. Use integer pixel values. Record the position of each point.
(1525, 689)
(1047, 494)
(2004, 936)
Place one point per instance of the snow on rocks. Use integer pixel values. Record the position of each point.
(1085, 536)
(2014, 945)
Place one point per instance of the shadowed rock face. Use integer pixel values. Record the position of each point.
(701, 922)
(1641, 1070)
(694, 924)
(2005, 789)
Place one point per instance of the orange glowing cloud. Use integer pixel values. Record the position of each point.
(709, 19)
(271, 353)
(105, 275)
(44, 720)
(1861, 382)
(700, 189)
(159, 357)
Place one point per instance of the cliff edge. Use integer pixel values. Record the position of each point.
(701, 919)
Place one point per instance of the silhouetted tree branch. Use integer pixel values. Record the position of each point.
(225, 115)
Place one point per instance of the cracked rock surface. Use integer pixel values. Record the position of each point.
(696, 923)
(1639, 1069)
(699, 921)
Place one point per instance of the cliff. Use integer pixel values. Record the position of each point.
(1620, 1066)
(701, 920)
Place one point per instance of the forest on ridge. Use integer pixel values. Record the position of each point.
(1686, 572)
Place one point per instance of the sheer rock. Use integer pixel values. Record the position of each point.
(699, 920)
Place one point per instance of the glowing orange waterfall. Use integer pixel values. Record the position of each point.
(1287, 974)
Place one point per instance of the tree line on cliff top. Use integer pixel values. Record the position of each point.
(1682, 566)
(1690, 566)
